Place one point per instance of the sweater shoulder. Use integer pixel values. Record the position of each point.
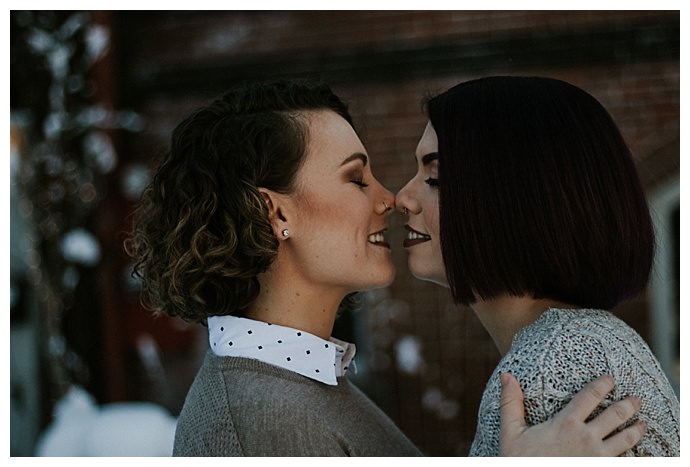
(264, 410)
(557, 355)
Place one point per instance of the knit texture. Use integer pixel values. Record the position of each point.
(244, 407)
(554, 357)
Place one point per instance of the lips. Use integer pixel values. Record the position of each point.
(414, 237)
(378, 239)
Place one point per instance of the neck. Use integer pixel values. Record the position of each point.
(288, 302)
(504, 316)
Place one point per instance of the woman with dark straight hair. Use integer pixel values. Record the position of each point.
(528, 206)
(541, 166)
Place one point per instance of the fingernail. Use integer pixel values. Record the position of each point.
(637, 402)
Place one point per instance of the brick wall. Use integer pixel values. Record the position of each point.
(383, 63)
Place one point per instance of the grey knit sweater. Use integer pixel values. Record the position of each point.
(244, 407)
(554, 357)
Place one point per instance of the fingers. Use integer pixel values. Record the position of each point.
(512, 408)
(624, 440)
(615, 415)
(585, 401)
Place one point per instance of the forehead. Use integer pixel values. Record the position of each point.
(428, 143)
(331, 139)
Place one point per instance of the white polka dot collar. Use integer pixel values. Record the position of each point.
(292, 349)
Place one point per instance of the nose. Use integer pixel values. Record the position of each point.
(387, 201)
(405, 201)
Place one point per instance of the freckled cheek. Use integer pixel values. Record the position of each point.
(351, 218)
(335, 226)
(329, 212)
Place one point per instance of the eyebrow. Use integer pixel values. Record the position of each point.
(429, 158)
(354, 157)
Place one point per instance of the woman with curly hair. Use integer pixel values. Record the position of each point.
(528, 206)
(261, 221)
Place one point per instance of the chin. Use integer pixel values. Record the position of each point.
(384, 279)
(389, 278)
(429, 276)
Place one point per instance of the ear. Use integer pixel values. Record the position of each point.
(276, 212)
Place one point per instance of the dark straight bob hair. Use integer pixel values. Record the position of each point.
(538, 195)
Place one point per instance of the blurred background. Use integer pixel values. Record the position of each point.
(95, 95)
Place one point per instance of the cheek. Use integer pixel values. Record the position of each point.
(431, 217)
(335, 223)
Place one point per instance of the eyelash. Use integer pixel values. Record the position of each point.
(432, 182)
(359, 183)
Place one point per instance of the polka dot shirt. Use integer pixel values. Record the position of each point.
(292, 349)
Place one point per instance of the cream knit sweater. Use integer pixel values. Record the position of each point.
(554, 357)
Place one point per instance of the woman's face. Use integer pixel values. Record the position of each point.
(419, 199)
(337, 236)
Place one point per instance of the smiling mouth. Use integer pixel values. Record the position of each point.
(378, 239)
(414, 238)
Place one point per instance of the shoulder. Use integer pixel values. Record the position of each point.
(581, 335)
(554, 357)
(238, 406)
(595, 341)
(557, 355)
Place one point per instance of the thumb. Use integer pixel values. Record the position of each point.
(512, 408)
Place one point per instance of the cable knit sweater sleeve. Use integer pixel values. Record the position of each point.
(562, 351)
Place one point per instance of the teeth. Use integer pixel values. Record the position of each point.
(376, 238)
(417, 236)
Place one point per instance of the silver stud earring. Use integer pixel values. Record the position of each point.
(285, 233)
(405, 211)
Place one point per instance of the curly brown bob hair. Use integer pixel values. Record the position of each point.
(202, 232)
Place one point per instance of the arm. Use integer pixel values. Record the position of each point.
(568, 433)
